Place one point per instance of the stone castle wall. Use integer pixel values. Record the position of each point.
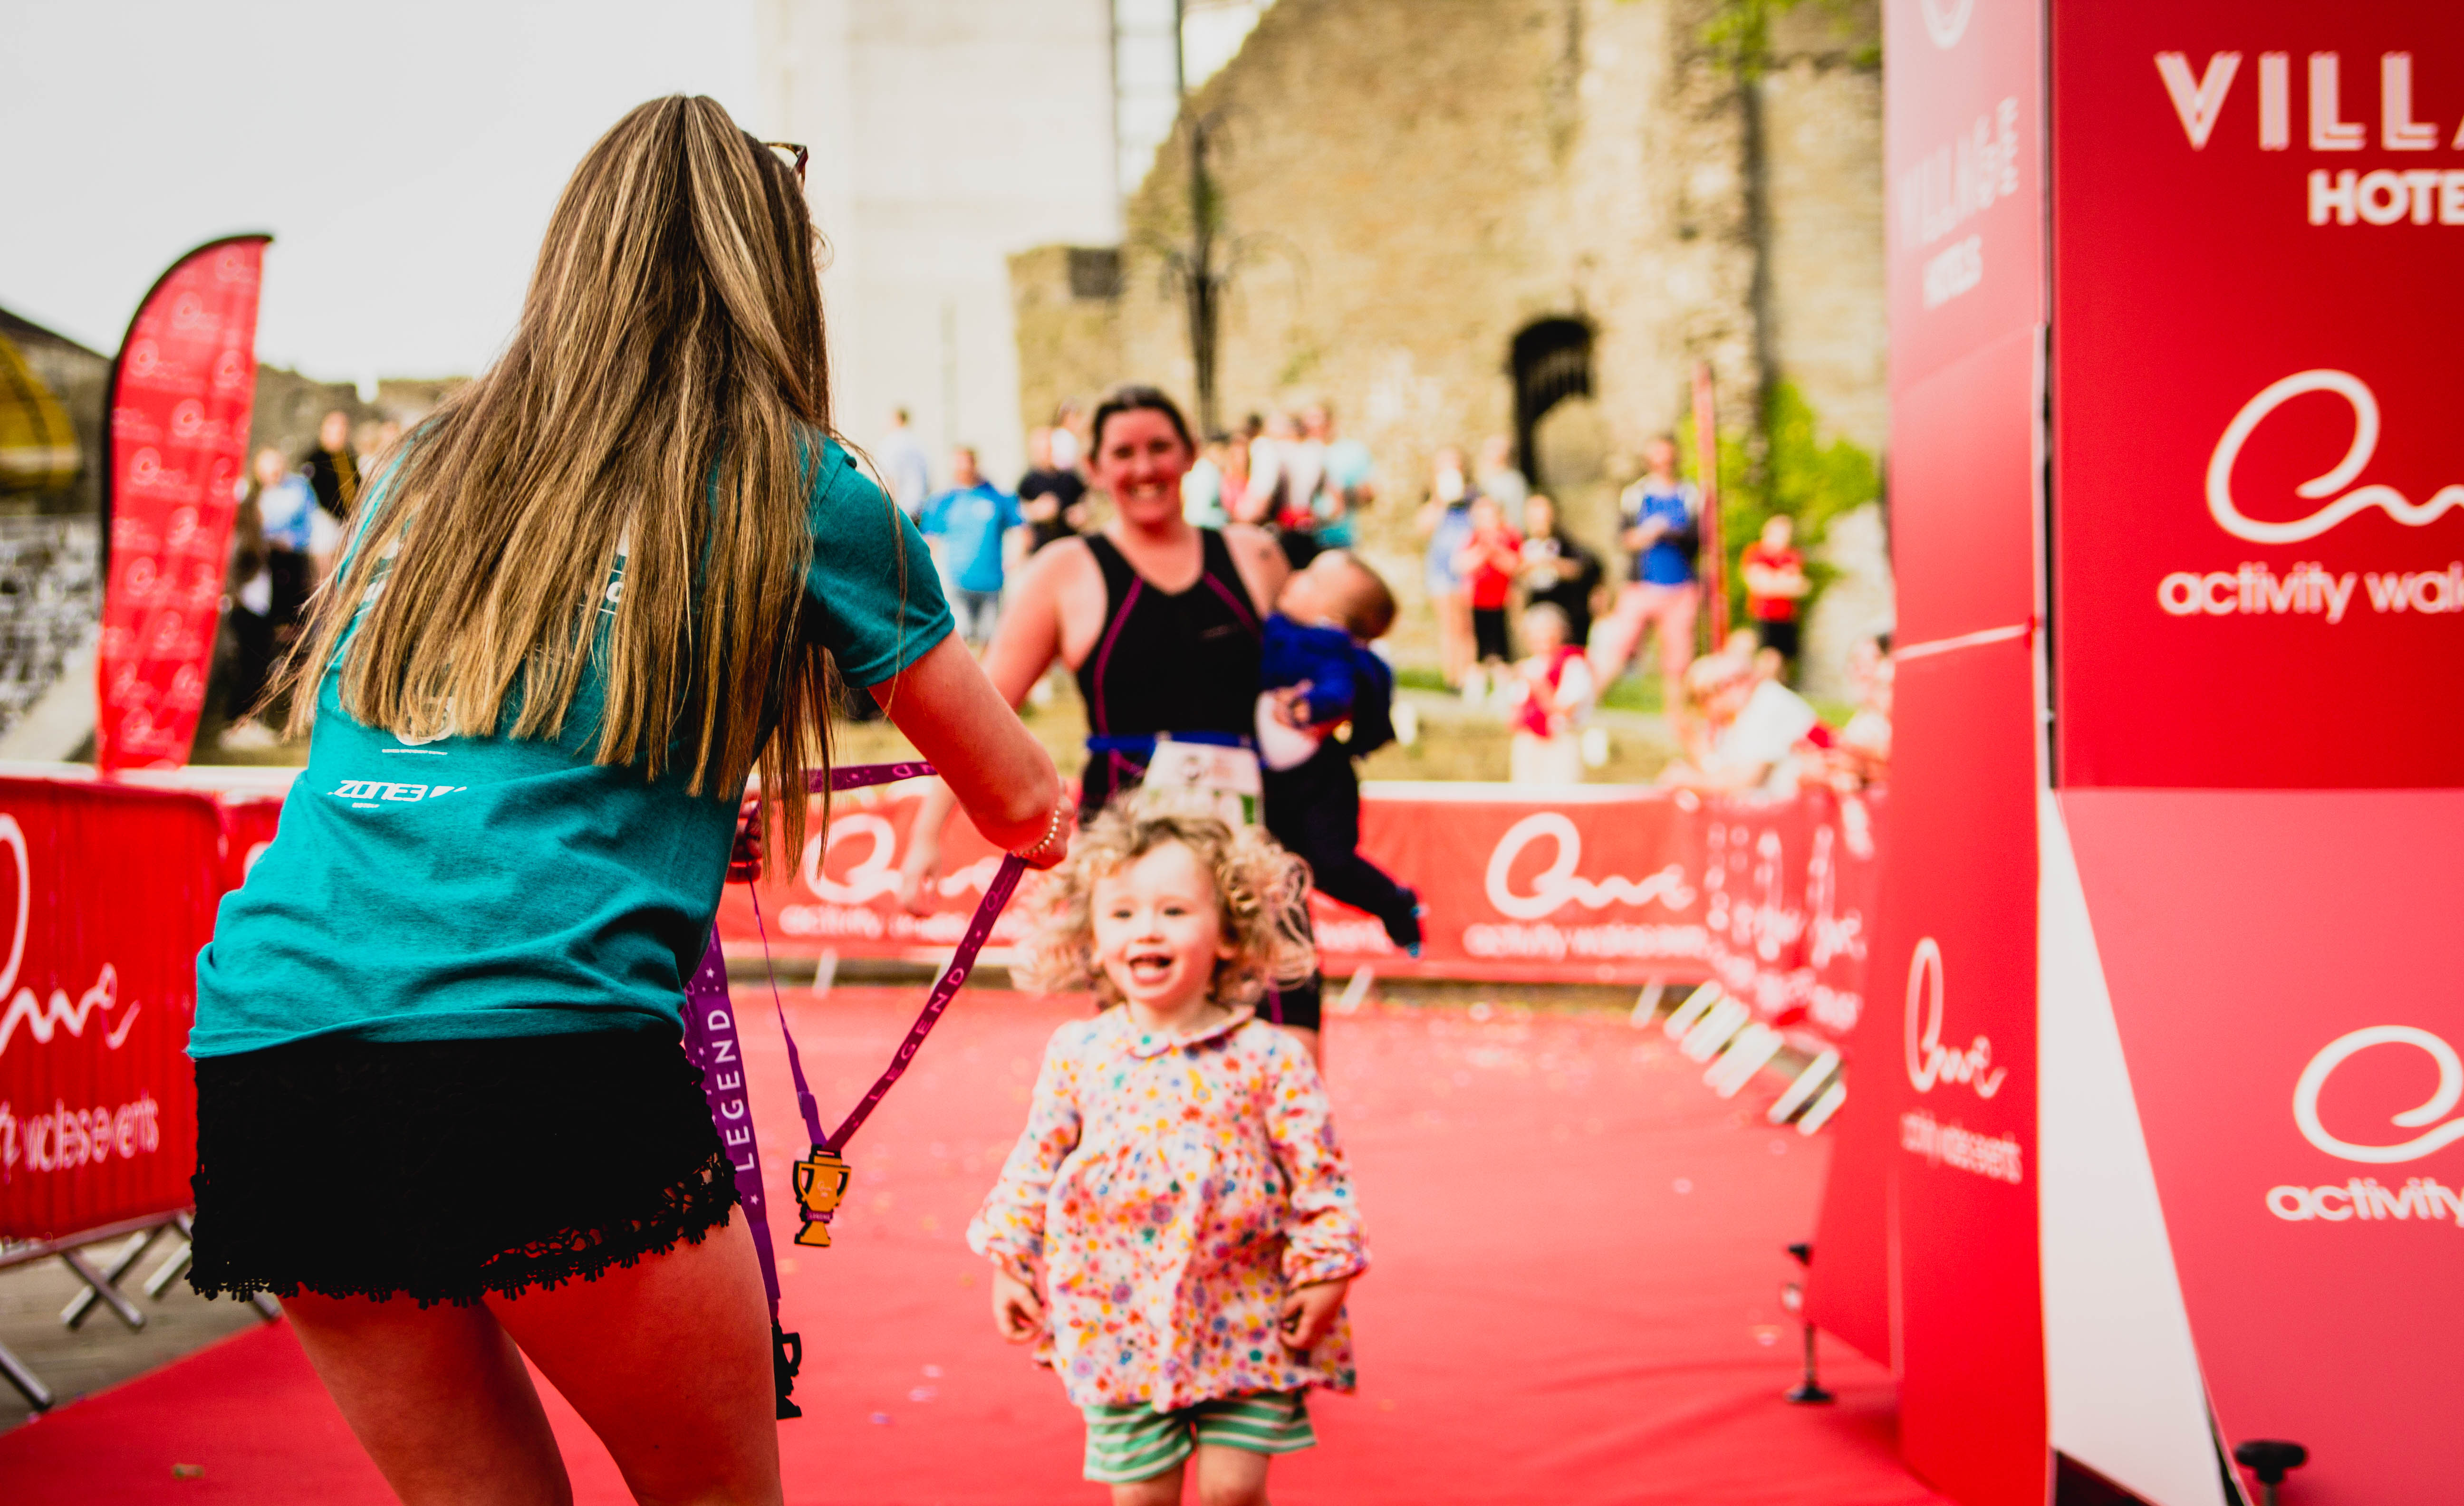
(1408, 184)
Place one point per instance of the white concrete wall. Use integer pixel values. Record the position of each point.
(946, 135)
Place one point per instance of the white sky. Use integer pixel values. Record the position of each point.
(405, 155)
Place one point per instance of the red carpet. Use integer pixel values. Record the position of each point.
(1576, 1296)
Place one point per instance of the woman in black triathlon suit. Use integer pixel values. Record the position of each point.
(1159, 619)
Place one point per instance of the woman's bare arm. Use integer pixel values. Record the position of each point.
(1262, 562)
(1025, 645)
(988, 761)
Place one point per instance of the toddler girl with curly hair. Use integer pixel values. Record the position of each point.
(1176, 1229)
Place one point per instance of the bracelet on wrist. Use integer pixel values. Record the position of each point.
(1052, 833)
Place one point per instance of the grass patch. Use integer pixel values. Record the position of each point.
(1634, 692)
(1637, 693)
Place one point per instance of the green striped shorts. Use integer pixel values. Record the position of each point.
(1133, 1443)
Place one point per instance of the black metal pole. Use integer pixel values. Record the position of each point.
(1809, 1390)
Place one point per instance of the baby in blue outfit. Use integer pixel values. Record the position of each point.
(1328, 700)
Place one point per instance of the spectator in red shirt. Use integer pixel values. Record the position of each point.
(1775, 583)
(1557, 692)
(1490, 560)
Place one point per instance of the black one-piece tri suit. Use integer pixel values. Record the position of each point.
(1180, 662)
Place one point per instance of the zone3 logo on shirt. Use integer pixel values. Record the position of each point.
(368, 793)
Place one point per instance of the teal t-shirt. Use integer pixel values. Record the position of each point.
(486, 886)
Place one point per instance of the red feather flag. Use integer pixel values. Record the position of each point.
(181, 394)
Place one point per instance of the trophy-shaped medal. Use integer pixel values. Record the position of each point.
(820, 1181)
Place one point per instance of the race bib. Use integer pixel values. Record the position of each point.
(1221, 780)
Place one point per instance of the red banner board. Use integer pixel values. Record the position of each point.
(2260, 204)
(1963, 145)
(1927, 1249)
(1606, 886)
(2257, 559)
(112, 892)
(2294, 1050)
(250, 818)
(1773, 897)
(182, 389)
(1926, 1254)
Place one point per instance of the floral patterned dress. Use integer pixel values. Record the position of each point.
(1172, 1190)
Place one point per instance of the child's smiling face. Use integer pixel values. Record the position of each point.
(1159, 932)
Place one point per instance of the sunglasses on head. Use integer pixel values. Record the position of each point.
(793, 154)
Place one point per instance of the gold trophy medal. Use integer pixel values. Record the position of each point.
(820, 1181)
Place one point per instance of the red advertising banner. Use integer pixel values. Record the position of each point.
(180, 391)
(1964, 148)
(1927, 1244)
(1926, 1252)
(1791, 894)
(1964, 494)
(2258, 208)
(1601, 887)
(118, 886)
(250, 818)
(2294, 1047)
(1616, 885)
(1928, 1235)
(112, 891)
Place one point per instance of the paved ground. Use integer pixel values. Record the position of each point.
(103, 1353)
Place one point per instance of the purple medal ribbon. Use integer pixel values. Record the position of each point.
(710, 1042)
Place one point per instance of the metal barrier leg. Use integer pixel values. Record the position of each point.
(111, 1295)
(74, 1315)
(37, 1395)
(174, 1266)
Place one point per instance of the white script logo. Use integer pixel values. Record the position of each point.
(874, 875)
(24, 1009)
(1930, 1061)
(2450, 1088)
(1554, 885)
(2366, 441)
(1946, 20)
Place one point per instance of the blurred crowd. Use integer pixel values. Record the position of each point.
(1290, 473)
(1533, 624)
(1529, 621)
(292, 519)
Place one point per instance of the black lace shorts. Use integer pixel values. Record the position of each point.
(443, 1171)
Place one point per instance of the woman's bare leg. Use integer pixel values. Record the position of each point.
(438, 1398)
(668, 1361)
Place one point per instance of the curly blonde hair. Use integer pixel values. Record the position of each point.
(1260, 892)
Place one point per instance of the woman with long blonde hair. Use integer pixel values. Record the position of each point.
(442, 1107)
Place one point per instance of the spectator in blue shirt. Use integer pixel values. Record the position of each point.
(970, 521)
(1664, 521)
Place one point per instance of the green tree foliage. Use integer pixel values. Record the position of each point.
(1799, 475)
(1739, 34)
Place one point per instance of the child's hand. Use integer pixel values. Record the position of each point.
(1310, 1310)
(1016, 1312)
(1287, 705)
(917, 874)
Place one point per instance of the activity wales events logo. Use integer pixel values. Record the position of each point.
(2308, 588)
(1931, 1064)
(2367, 1198)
